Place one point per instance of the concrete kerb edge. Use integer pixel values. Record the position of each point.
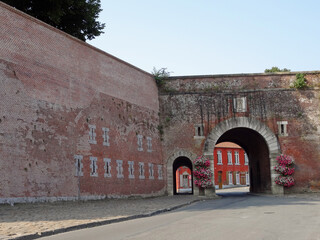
(105, 222)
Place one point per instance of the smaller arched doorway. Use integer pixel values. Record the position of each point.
(182, 172)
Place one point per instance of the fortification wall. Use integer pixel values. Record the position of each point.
(55, 91)
(191, 101)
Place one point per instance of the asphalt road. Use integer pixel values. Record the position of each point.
(234, 216)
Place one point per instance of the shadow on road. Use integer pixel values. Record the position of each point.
(241, 198)
(233, 194)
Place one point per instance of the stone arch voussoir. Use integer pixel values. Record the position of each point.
(243, 122)
(256, 125)
(170, 160)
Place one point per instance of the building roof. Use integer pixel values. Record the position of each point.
(227, 145)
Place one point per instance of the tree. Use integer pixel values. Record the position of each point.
(75, 17)
(276, 69)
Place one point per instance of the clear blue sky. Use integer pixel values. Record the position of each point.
(199, 37)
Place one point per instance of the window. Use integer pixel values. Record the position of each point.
(229, 158)
(236, 158)
(140, 143)
(78, 165)
(105, 136)
(107, 167)
(119, 169)
(282, 128)
(247, 179)
(151, 172)
(219, 156)
(92, 134)
(160, 174)
(237, 178)
(94, 167)
(230, 178)
(141, 170)
(198, 128)
(149, 144)
(131, 169)
(246, 159)
(240, 104)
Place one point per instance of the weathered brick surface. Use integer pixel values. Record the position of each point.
(270, 98)
(52, 87)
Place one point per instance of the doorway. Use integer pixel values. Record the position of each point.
(183, 179)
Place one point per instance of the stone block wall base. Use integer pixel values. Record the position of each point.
(210, 192)
(201, 191)
(196, 191)
(277, 189)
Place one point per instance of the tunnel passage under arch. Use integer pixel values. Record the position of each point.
(180, 162)
(258, 141)
(258, 153)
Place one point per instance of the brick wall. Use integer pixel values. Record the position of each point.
(189, 101)
(55, 90)
(53, 87)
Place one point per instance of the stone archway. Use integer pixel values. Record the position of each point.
(181, 162)
(170, 161)
(257, 140)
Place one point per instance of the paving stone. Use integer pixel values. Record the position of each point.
(26, 219)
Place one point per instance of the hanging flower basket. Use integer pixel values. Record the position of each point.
(202, 173)
(286, 181)
(285, 168)
(284, 160)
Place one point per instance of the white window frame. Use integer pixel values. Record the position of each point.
(140, 147)
(160, 172)
(237, 178)
(105, 136)
(107, 167)
(230, 178)
(131, 169)
(151, 171)
(199, 130)
(92, 134)
(79, 165)
(149, 144)
(240, 104)
(229, 154)
(119, 169)
(236, 158)
(247, 179)
(219, 157)
(94, 166)
(246, 159)
(141, 170)
(282, 128)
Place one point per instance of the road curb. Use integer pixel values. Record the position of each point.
(101, 223)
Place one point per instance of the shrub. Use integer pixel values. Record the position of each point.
(160, 76)
(300, 82)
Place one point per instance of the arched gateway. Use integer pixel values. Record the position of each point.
(176, 160)
(255, 138)
(258, 141)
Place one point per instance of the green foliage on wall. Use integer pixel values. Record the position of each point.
(160, 75)
(300, 82)
(276, 69)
